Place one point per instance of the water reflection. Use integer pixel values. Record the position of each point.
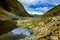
(21, 31)
(16, 34)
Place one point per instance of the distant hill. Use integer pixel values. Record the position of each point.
(52, 12)
(35, 15)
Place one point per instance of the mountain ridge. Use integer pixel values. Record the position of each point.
(55, 11)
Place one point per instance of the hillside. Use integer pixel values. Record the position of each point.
(55, 11)
(9, 11)
(13, 7)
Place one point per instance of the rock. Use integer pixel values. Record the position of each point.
(54, 38)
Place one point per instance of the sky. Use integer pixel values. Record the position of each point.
(38, 7)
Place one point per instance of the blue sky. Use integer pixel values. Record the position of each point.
(39, 7)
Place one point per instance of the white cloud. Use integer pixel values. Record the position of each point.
(44, 9)
(28, 2)
(40, 10)
(38, 13)
(55, 2)
(35, 12)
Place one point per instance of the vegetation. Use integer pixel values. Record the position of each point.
(28, 24)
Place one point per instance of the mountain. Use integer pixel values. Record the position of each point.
(10, 10)
(55, 11)
(13, 7)
(35, 15)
